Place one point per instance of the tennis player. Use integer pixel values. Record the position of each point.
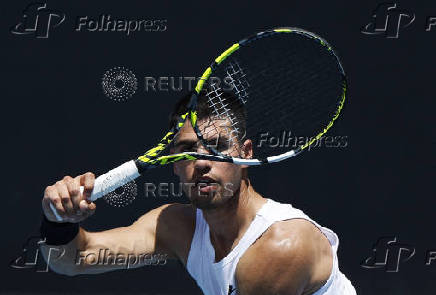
(231, 239)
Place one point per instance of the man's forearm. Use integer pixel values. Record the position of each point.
(62, 258)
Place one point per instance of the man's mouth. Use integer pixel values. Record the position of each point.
(205, 184)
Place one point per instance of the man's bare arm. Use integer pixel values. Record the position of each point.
(153, 233)
(97, 252)
(292, 258)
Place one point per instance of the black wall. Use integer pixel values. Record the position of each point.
(56, 121)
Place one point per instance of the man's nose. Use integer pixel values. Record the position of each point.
(201, 149)
(202, 165)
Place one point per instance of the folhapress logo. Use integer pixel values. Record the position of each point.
(388, 20)
(31, 257)
(388, 254)
(38, 20)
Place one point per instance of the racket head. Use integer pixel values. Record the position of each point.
(284, 83)
(280, 89)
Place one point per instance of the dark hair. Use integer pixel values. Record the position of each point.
(204, 109)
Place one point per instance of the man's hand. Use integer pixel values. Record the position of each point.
(72, 205)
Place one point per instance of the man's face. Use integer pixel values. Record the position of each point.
(208, 184)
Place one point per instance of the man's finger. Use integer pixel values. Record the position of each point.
(65, 197)
(87, 180)
(73, 186)
(51, 196)
(87, 208)
(47, 210)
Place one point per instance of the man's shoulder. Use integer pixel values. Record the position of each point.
(174, 228)
(287, 238)
(176, 216)
(291, 255)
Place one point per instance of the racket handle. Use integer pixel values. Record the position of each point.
(109, 182)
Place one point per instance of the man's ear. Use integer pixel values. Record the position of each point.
(247, 149)
(176, 169)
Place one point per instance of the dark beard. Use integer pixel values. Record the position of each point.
(204, 205)
(208, 203)
(204, 202)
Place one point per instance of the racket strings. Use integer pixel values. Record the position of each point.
(223, 123)
(221, 107)
(218, 135)
(237, 80)
(305, 85)
(287, 85)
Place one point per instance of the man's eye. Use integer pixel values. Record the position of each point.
(190, 148)
(212, 144)
(222, 146)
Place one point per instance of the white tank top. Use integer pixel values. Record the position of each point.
(219, 278)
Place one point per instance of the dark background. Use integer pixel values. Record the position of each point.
(56, 121)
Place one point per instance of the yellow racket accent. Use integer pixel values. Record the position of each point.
(203, 79)
(218, 60)
(172, 158)
(180, 124)
(193, 118)
(226, 53)
(330, 124)
(154, 152)
(283, 30)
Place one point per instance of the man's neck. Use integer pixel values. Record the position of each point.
(228, 223)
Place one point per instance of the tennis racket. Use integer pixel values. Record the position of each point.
(262, 92)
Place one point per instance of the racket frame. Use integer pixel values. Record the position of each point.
(130, 170)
